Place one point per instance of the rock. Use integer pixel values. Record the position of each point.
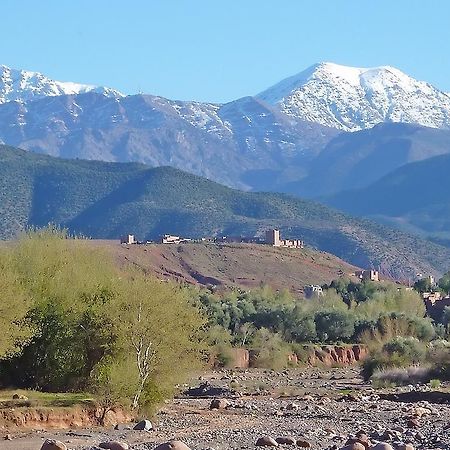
(413, 423)
(419, 411)
(122, 426)
(404, 447)
(292, 406)
(8, 437)
(114, 445)
(382, 446)
(303, 444)
(17, 396)
(354, 446)
(266, 441)
(52, 444)
(286, 440)
(360, 438)
(143, 425)
(219, 403)
(173, 445)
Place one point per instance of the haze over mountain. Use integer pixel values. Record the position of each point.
(415, 197)
(350, 98)
(355, 160)
(106, 200)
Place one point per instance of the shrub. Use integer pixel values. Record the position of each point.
(272, 352)
(400, 352)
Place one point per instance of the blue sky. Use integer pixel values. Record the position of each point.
(214, 50)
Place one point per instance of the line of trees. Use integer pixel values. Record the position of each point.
(72, 320)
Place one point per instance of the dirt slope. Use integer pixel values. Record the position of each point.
(232, 265)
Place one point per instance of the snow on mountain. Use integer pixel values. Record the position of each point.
(351, 99)
(23, 86)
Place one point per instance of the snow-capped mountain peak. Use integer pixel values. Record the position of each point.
(23, 86)
(353, 98)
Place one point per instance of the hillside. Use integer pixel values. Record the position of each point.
(414, 197)
(355, 160)
(291, 138)
(259, 146)
(106, 200)
(232, 265)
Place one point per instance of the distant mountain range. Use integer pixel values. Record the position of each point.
(318, 134)
(415, 197)
(106, 200)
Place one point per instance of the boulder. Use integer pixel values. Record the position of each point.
(419, 411)
(292, 406)
(354, 446)
(219, 403)
(382, 446)
(285, 440)
(360, 438)
(172, 445)
(17, 396)
(266, 441)
(404, 447)
(143, 425)
(413, 423)
(114, 445)
(304, 444)
(52, 444)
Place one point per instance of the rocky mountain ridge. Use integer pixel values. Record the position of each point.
(351, 99)
(23, 86)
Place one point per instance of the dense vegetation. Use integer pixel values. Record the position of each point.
(275, 324)
(72, 320)
(106, 200)
(75, 323)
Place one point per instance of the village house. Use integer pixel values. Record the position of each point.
(312, 290)
(128, 239)
(368, 275)
(171, 239)
(273, 238)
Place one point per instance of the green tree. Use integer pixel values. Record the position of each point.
(423, 285)
(14, 303)
(159, 329)
(444, 282)
(334, 326)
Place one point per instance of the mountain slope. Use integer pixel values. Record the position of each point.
(350, 98)
(23, 86)
(355, 160)
(258, 146)
(415, 197)
(105, 200)
(248, 143)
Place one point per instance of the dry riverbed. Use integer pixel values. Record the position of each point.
(322, 408)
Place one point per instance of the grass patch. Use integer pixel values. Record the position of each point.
(44, 399)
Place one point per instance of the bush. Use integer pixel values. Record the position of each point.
(272, 352)
(397, 353)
